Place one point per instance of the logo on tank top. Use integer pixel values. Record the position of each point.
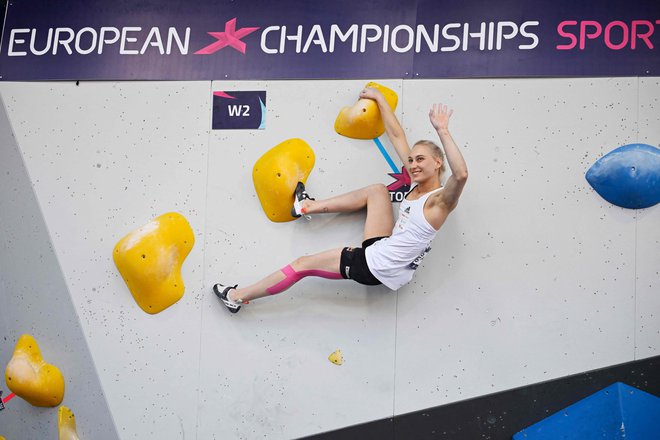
(404, 216)
(417, 261)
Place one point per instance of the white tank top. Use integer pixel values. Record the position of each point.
(393, 260)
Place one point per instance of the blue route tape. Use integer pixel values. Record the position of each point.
(389, 160)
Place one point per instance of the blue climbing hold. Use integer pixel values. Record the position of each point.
(616, 412)
(628, 176)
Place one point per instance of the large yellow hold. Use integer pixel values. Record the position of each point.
(66, 423)
(149, 259)
(362, 120)
(31, 378)
(276, 174)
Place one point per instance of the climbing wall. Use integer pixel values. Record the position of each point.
(533, 277)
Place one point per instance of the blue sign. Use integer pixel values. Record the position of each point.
(302, 39)
(239, 110)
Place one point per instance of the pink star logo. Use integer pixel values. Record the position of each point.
(402, 179)
(230, 37)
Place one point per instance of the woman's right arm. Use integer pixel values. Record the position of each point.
(392, 126)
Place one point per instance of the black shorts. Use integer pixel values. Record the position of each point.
(353, 264)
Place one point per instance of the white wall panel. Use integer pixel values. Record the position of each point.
(532, 277)
(266, 370)
(647, 342)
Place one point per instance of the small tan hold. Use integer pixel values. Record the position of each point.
(336, 357)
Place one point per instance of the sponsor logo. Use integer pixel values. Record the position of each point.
(400, 187)
(417, 261)
(358, 38)
(230, 37)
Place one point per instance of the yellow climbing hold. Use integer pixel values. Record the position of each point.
(66, 423)
(276, 174)
(336, 357)
(149, 260)
(362, 120)
(31, 378)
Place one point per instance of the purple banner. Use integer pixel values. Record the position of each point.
(296, 39)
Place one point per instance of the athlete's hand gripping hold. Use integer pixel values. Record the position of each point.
(390, 253)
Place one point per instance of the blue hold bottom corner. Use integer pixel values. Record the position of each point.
(616, 412)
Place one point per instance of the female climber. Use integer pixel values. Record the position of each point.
(390, 252)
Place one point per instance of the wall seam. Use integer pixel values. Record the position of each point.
(636, 216)
(396, 322)
(201, 308)
(396, 308)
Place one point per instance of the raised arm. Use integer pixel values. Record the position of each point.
(392, 127)
(439, 116)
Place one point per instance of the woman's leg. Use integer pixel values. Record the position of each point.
(379, 223)
(324, 265)
(376, 198)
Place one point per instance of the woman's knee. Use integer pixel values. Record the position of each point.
(301, 263)
(379, 190)
(327, 260)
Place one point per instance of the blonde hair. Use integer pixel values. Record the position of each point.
(436, 151)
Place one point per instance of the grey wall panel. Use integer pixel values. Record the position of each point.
(648, 234)
(105, 158)
(34, 299)
(532, 277)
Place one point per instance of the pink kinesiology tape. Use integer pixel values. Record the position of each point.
(291, 277)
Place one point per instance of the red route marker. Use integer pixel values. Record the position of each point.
(5, 400)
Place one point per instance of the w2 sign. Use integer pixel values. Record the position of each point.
(239, 110)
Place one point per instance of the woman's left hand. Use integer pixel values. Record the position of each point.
(439, 116)
(371, 93)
